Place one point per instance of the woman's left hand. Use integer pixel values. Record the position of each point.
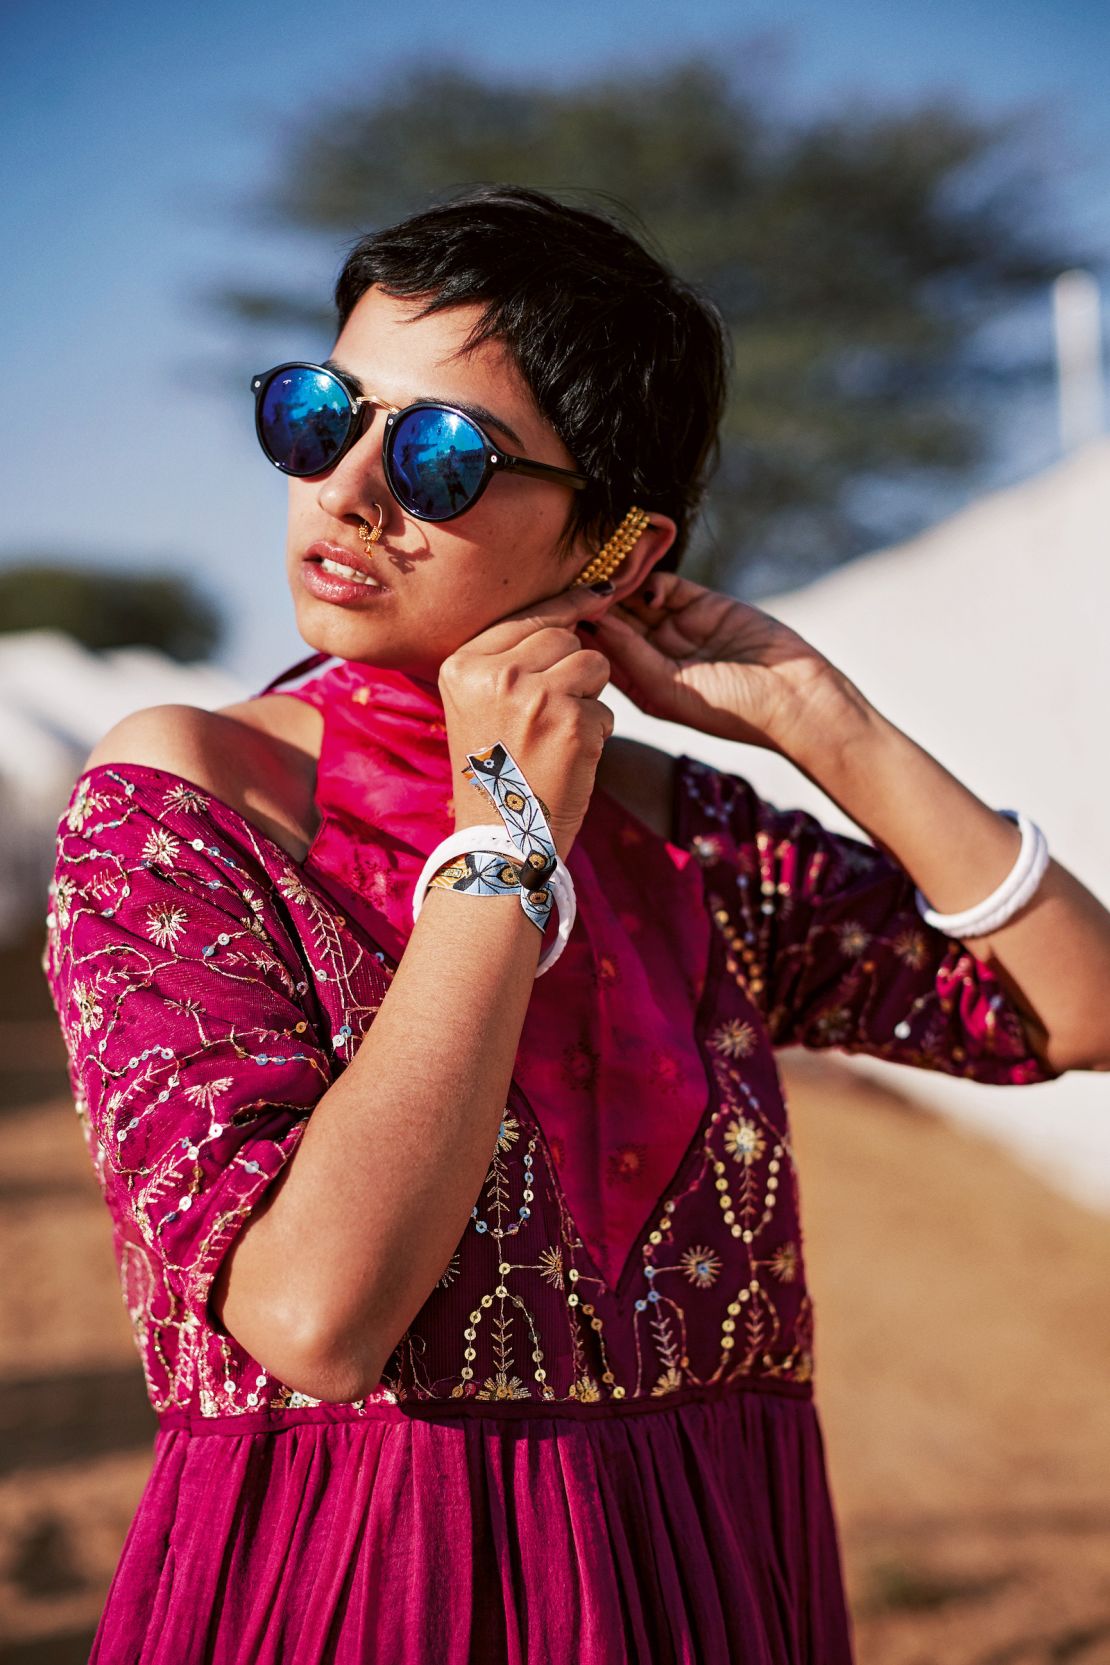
(694, 656)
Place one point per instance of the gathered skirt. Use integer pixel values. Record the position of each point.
(595, 1534)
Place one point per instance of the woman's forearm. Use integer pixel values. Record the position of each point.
(353, 1236)
(1053, 956)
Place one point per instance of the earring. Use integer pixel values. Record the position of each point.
(370, 535)
(613, 552)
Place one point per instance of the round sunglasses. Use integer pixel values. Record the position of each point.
(437, 460)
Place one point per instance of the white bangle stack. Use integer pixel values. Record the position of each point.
(1013, 893)
(465, 840)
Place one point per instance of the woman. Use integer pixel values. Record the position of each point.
(463, 1251)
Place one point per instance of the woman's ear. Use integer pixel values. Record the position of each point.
(632, 569)
(650, 547)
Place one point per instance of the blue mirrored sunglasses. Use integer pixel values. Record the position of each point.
(437, 460)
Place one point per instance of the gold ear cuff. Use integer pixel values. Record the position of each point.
(613, 552)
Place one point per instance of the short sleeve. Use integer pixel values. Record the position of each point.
(193, 1055)
(825, 933)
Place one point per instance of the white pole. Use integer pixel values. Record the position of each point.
(1077, 315)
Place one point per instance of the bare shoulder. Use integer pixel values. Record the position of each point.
(170, 737)
(641, 778)
(257, 760)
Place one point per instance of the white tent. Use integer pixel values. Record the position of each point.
(985, 640)
(56, 701)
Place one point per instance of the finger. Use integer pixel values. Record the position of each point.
(565, 608)
(691, 622)
(627, 646)
(619, 615)
(621, 677)
(542, 649)
(674, 635)
(663, 592)
(584, 674)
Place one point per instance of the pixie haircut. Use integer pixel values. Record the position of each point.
(626, 361)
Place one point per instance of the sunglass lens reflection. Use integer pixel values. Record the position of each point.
(437, 463)
(304, 420)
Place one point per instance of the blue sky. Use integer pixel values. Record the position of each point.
(135, 136)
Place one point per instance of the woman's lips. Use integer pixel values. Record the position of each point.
(335, 587)
(369, 564)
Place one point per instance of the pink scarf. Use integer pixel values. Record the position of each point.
(608, 1058)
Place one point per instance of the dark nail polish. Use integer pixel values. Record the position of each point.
(605, 587)
(648, 596)
(588, 626)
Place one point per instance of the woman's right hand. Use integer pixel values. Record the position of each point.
(528, 682)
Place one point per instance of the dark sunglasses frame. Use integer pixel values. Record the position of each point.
(495, 459)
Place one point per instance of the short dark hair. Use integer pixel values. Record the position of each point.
(627, 362)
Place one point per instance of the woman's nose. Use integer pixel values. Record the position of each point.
(356, 482)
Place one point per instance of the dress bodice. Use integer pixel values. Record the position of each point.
(210, 989)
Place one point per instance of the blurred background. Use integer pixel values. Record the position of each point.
(904, 213)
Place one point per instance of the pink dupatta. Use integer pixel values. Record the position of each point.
(609, 1055)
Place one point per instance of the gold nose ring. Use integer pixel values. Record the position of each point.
(371, 534)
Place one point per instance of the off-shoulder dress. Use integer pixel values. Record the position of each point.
(598, 1440)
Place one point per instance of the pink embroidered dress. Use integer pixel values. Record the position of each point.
(597, 1441)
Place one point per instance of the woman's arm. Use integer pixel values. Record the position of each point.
(690, 655)
(337, 1261)
(200, 1069)
(1053, 957)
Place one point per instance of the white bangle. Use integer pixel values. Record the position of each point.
(1012, 894)
(494, 837)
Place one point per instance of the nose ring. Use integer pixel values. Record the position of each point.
(371, 534)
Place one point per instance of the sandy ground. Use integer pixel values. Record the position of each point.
(963, 1368)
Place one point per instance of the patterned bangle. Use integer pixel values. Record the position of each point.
(520, 854)
(1013, 893)
(485, 871)
(480, 860)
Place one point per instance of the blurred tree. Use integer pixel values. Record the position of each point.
(106, 607)
(855, 258)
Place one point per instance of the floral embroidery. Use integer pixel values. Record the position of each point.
(207, 1092)
(607, 970)
(707, 847)
(664, 1070)
(502, 1386)
(84, 802)
(701, 1266)
(624, 1163)
(161, 848)
(89, 1007)
(508, 1132)
(62, 893)
(736, 1039)
(580, 1066)
(743, 1141)
(164, 925)
(853, 938)
(187, 799)
(910, 946)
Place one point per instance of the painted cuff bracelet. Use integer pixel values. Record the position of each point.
(519, 855)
